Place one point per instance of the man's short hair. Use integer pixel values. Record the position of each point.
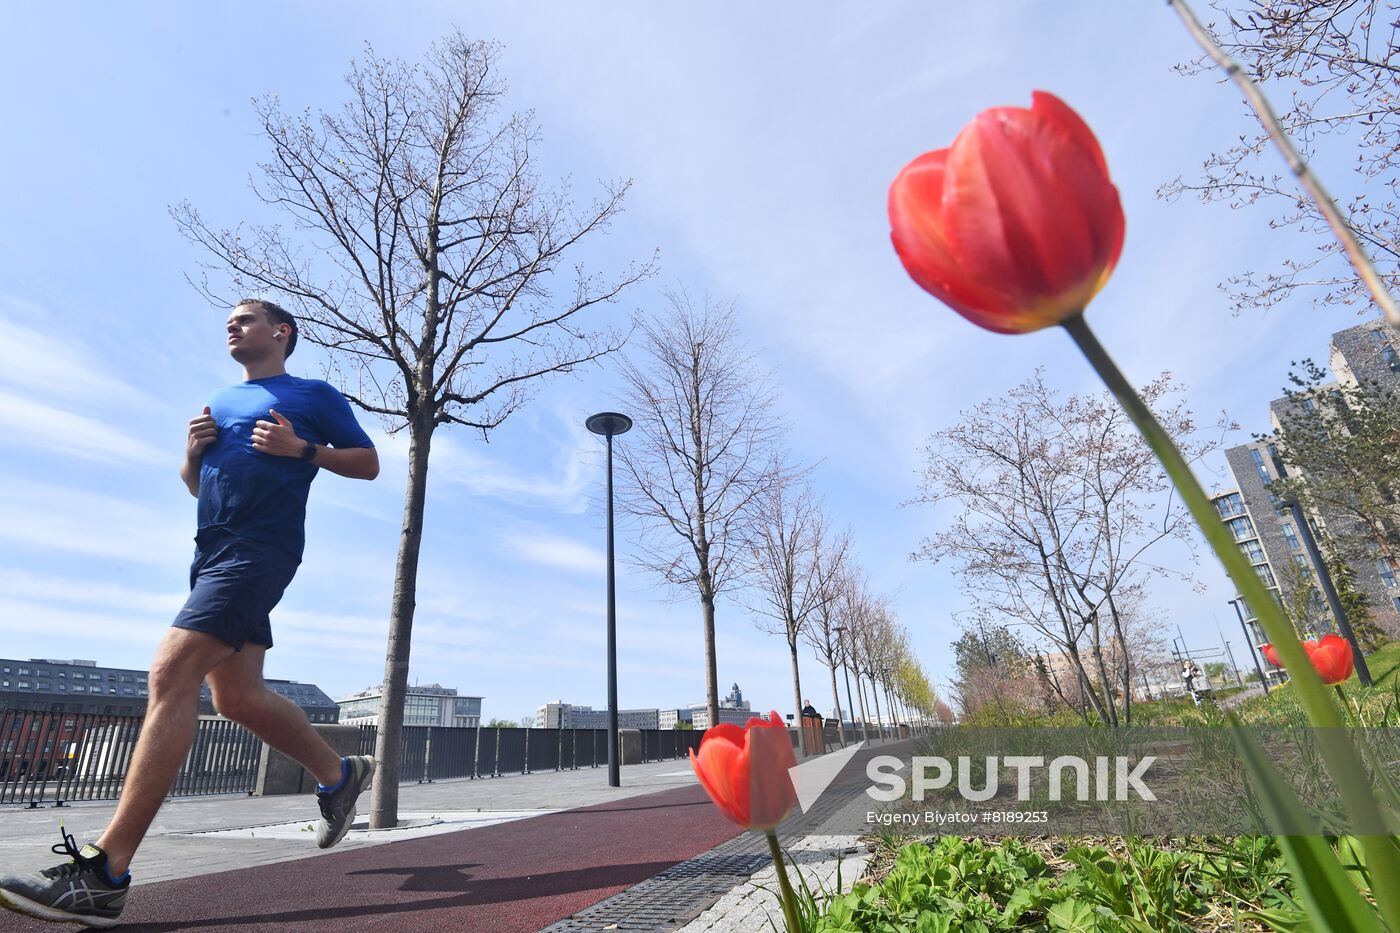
(275, 314)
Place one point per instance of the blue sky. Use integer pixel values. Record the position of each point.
(760, 140)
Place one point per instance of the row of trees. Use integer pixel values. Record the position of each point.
(1060, 503)
(718, 508)
(427, 258)
(1058, 508)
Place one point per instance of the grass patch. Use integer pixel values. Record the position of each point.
(950, 883)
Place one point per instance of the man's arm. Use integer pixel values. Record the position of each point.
(353, 462)
(279, 439)
(203, 432)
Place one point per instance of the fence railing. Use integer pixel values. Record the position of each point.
(54, 758)
(430, 753)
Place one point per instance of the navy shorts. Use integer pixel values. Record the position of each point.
(234, 585)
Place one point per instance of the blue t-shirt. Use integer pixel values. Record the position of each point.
(258, 496)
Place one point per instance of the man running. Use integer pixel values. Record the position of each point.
(249, 459)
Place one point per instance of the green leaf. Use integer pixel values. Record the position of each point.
(1331, 901)
(1073, 917)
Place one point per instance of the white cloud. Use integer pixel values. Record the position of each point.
(459, 461)
(540, 547)
(52, 588)
(84, 522)
(29, 423)
(82, 632)
(53, 362)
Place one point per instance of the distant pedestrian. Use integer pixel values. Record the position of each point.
(810, 710)
(250, 457)
(1189, 673)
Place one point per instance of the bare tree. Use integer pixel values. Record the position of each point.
(793, 582)
(1060, 501)
(422, 253)
(705, 457)
(853, 615)
(830, 562)
(1335, 63)
(869, 631)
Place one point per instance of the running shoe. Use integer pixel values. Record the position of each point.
(78, 891)
(338, 803)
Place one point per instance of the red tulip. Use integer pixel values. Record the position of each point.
(745, 771)
(1016, 225)
(1268, 651)
(1331, 655)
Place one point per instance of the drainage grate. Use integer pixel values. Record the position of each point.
(676, 896)
(683, 892)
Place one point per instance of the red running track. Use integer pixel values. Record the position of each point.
(519, 876)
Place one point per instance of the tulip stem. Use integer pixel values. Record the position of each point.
(1341, 755)
(792, 919)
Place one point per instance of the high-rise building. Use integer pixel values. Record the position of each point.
(79, 686)
(430, 705)
(1267, 530)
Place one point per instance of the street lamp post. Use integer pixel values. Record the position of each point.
(1231, 655)
(1324, 577)
(1249, 643)
(608, 424)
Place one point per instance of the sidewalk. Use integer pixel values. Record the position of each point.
(552, 848)
(199, 835)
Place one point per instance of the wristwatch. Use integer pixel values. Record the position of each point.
(308, 453)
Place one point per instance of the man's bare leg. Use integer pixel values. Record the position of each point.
(172, 716)
(241, 695)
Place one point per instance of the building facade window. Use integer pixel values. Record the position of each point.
(1265, 574)
(1258, 458)
(1387, 571)
(1290, 534)
(1253, 551)
(1392, 359)
(1241, 527)
(1230, 505)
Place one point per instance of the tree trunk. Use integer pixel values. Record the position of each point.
(384, 799)
(797, 697)
(707, 613)
(1104, 685)
(1088, 695)
(875, 698)
(836, 695)
(864, 717)
(1127, 660)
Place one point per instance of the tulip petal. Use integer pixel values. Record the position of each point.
(1331, 655)
(771, 793)
(1047, 106)
(916, 229)
(1016, 225)
(722, 767)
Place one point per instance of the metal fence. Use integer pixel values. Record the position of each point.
(430, 753)
(54, 758)
(48, 757)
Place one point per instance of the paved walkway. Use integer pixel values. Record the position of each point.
(543, 849)
(198, 835)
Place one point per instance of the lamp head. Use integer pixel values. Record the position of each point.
(608, 423)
